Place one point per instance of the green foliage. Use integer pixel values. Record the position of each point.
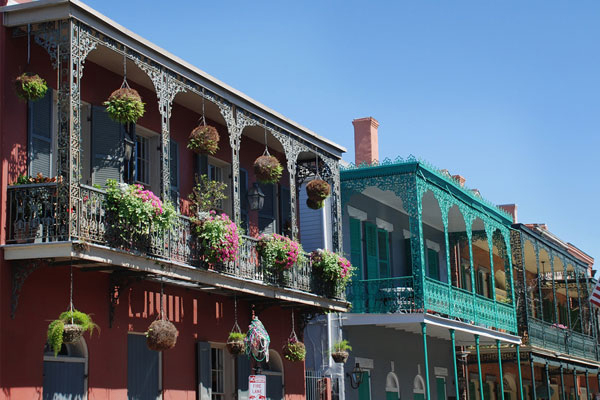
(39, 178)
(219, 236)
(125, 105)
(30, 87)
(236, 336)
(268, 169)
(341, 345)
(135, 211)
(56, 327)
(331, 267)
(294, 350)
(207, 195)
(204, 139)
(279, 252)
(317, 190)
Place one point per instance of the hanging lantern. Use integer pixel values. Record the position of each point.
(256, 197)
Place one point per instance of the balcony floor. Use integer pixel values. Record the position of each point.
(436, 327)
(96, 256)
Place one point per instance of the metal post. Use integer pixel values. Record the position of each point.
(575, 384)
(562, 383)
(539, 282)
(532, 378)
(520, 374)
(587, 385)
(500, 369)
(479, 367)
(453, 339)
(547, 377)
(424, 332)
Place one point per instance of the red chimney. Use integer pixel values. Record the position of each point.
(366, 146)
(511, 209)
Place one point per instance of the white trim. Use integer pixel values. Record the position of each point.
(406, 233)
(383, 224)
(366, 363)
(440, 371)
(432, 245)
(357, 214)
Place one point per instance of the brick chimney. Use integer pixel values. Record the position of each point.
(366, 146)
(511, 209)
(460, 179)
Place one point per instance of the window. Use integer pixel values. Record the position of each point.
(142, 173)
(218, 374)
(41, 135)
(376, 248)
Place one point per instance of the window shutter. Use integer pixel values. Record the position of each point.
(433, 263)
(244, 199)
(285, 220)
(40, 135)
(371, 246)
(266, 216)
(243, 372)
(383, 238)
(107, 147)
(204, 371)
(356, 257)
(408, 254)
(202, 161)
(174, 164)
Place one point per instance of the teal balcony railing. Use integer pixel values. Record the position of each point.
(552, 337)
(397, 295)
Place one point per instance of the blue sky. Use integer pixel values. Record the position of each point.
(506, 93)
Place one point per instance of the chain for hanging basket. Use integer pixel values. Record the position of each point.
(235, 341)
(294, 350)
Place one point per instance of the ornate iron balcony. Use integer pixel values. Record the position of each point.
(563, 340)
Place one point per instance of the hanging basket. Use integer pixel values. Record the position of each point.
(318, 190)
(294, 350)
(161, 335)
(30, 86)
(68, 328)
(204, 139)
(125, 105)
(340, 356)
(235, 343)
(257, 341)
(267, 169)
(72, 333)
(315, 205)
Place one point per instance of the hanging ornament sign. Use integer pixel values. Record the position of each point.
(257, 387)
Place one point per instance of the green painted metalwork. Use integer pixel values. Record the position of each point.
(426, 357)
(518, 348)
(388, 295)
(453, 339)
(562, 383)
(533, 377)
(500, 370)
(479, 366)
(547, 378)
(551, 336)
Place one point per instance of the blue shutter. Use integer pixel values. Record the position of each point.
(285, 217)
(244, 199)
(204, 371)
(107, 147)
(63, 380)
(266, 216)
(142, 369)
(243, 372)
(202, 164)
(174, 164)
(40, 135)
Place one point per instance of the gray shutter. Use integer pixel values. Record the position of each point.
(174, 164)
(63, 380)
(142, 369)
(40, 135)
(204, 371)
(274, 387)
(285, 210)
(202, 167)
(107, 147)
(266, 216)
(243, 372)
(244, 199)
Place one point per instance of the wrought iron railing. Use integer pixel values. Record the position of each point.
(397, 295)
(33, 218)
(556, 338)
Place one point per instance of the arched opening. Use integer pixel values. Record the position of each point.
(562, 292)
(510, 387)
(65, 375)
(459, 249)
(433, 236)
(532, 280)
(481, 259)
(501, 268)
(418, 388)
(392, 387)
(275, 375)
(573, 298)
(546, 283)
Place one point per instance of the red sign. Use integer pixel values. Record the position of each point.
(257, 387)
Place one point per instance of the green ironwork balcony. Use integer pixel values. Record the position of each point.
(397, 295)
(552, 337)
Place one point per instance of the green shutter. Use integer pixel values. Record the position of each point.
(548, 310)
(486, 391)
(408, 256)
(364, 390)
(472, 391)
(391, 396)
(356, 257)
(383, 244)
(107, 147)
(433, 263)
(371, 247)
(40, 135)
(441, 388)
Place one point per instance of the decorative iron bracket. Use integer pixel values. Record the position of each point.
(20, 272)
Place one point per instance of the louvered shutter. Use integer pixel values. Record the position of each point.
(40, 135)
(433, 262)
(244, 199)
(243, 373)
(384, 253)
(204, 370)
(266, 216)
(107, 147)
(285, 211)
(174, 164)
(371, 246)
(356, 257)
(202, 164)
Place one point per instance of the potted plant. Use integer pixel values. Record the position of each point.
(125, 105)
(268, 169)
(315, 205)
(318, 190)
(135, 212)
(339, 351)
(161, 335)
(39, 178)
(30, 86)
(278, 252)
(207, 195)
(204, 139)
(333, 271)
(219, 237)
(235, 343)
(294, 350)
(68, 328)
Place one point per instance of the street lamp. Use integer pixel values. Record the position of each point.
(356, 376)
(256, 197)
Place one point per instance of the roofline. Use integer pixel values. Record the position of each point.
(95, 15)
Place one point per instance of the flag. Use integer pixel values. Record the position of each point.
(595, 297)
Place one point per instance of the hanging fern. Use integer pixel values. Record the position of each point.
(125, 105)
(30, 86)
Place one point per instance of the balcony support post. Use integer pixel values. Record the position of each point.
(554, 302)
(587, 385)
(489, 235)
(562, 383)
(518, 348)
(424, 333)
(539, 282)
(479, 367)
(565, 272)
(453, 339)
(547, 378)
(501, 375)
(580, 312)
(575, 386)
(532, 377)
